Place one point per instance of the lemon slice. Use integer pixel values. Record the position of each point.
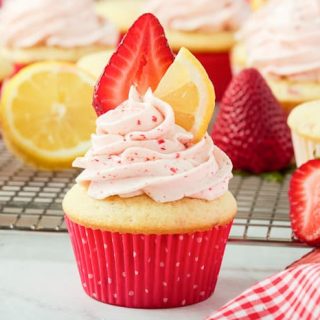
(95, 63)
(188, 89)
(46, 114)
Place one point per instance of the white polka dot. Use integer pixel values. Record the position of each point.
(146, 291)
(202, 267)
(131, 293)
(99, 283)
(195, 286)
(124, 274)
(84, 241)
(161, 264)
(134, 254)
(207, 238)
(192, 236)
(94, 294)
(216, 247)
(199, 239)
(189, 254)
(136, 272)
(165, 300)
(84, 284)
(202, 293)
(115, 295)
(164, 284)
(196, 259)
(183, 302)
(166, 250)
(181, 237)
(90, 275)
(188, 275)
(109, 280)
(149, 260)
(105, 245)
(178, 264)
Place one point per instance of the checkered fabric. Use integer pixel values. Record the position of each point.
(293, 294)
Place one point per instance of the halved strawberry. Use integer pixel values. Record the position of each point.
(142, 58)
(304, 196)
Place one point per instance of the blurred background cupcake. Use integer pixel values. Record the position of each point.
(51, 30)
(206, 28)
(282, 40)
(305, 131)
(122, 13)
(6, 69)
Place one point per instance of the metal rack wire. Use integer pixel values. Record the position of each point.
(31, 200)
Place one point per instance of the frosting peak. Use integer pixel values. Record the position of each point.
(139, 149)
(283, 39)
(204, 15)
(61, 23)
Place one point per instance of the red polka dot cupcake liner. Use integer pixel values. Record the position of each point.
(148, 271)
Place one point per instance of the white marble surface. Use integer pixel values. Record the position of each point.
(39, 280)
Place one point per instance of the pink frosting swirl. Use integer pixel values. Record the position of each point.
(139, 149)
(61, 23)
(283, 39)
(205, 15)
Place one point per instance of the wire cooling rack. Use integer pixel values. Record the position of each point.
(31, 200)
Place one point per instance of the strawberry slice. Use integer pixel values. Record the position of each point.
(141, 59)
(304, 195)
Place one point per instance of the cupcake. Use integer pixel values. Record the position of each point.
(47, 30)
(150, 214)
(305, 131)
(282, 40)
(94, 63)
(122, 13)
(6, 69)
(206, 28)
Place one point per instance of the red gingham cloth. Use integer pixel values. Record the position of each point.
(293, 294)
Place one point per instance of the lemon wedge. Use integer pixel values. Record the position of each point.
(188, 89)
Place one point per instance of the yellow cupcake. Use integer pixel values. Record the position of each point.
(95, 63)
(304, 122)
(150, 215)
(289, 92)
(280, 40)
(67, 35)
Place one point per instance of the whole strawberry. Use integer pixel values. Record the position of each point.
(251, 126)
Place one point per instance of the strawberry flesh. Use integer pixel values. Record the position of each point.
(251, 126)
(304, 195)
(141, 59)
